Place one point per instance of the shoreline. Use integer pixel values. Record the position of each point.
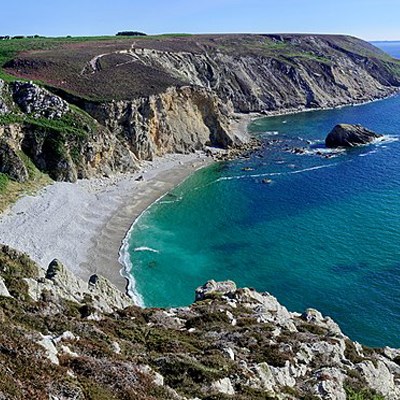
(294, 111)
(85, 224)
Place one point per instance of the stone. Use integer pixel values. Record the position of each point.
(3, 289)
(51, 351)
(379, 378)
(346, 135)
(214, 289)
(223, 386)
(3, 106)
(38, 102)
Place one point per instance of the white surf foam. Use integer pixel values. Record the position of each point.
(144, 248)
(270, 133)
(229, 178)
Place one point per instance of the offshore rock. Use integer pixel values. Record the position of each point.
(346, 135)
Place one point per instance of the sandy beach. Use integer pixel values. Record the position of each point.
(83, 224)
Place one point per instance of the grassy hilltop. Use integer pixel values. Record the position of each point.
(62, 62)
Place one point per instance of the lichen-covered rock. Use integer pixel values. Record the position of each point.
(213, 289)
(346, 135)
(99, 292)
(38, 102)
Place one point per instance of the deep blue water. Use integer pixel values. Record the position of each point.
(325, 233)
(392, 48)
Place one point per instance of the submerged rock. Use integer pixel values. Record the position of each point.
(346, 135)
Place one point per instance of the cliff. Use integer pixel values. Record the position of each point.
(110, 104)
(41, 131)
(61, 338)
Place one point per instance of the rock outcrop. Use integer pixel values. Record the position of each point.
(346, 135)
(38, 102)
(135, 101)
(11, 164)
(69, 144)
(179, 120)
(3, 106)
(76, 341)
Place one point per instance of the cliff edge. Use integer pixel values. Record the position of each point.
(61, 338)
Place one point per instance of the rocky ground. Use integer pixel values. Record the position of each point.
(62, 338)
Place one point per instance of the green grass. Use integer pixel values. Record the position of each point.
(4, 180)
(363, 394)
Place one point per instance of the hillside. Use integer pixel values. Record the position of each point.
(62, 338)
(255, 72)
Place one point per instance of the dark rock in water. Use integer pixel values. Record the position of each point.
(346, 135)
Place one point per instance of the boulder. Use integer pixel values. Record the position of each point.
(3, 289)
(214, 289)
(346, 135)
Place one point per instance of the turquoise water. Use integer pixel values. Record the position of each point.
(325, 233)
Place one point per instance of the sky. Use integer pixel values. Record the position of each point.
(367, 19)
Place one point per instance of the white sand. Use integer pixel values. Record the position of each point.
(83, 224)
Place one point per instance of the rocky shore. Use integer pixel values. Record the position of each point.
(63, 338)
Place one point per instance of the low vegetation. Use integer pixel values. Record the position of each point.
(61, 62)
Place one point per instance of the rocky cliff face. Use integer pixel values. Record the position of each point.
(178, 120)
(61, 338)
(158, 96)
(68, 143)
(327, 77)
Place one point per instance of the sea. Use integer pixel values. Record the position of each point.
(317, 228)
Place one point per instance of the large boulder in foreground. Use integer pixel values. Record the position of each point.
(346, 135)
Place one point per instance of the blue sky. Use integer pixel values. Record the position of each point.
(368, 19)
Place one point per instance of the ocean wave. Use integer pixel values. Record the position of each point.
(235, 177)
(144, 248)
(270, 133)
(125, 260)
(385, 139)
(177, 200)
(368, 154)
(312, 168)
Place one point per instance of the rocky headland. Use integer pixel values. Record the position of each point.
(63, 338)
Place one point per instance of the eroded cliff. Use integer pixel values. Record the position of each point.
(134, 99)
